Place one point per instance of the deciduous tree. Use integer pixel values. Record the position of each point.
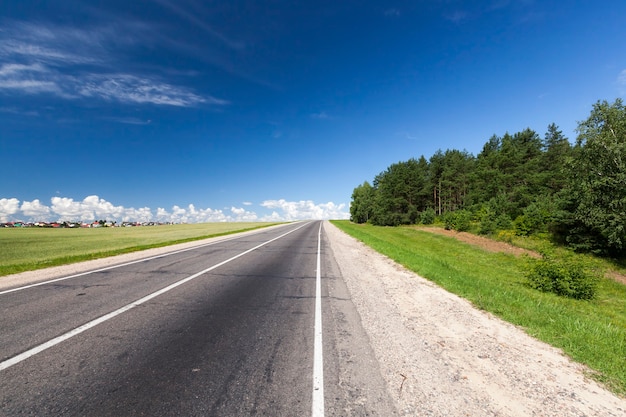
(597, 189)
(362, 203)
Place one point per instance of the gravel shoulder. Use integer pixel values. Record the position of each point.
(441, 356)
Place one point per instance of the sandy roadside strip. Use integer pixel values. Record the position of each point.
(442, 357)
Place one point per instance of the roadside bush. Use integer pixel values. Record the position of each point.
(522, 226)
(536, 218)
(505, 236)
(381, 218)
(463, 220)
(566, 278)
(486, 218)
(503, 222)
(459, 220)
(490, 222)
(428, 216)
(487, 226)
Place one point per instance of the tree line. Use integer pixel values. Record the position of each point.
(523, 182)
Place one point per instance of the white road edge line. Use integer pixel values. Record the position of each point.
(37, 284)
(318, 358)
(38, 349)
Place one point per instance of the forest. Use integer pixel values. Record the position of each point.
(572, 192)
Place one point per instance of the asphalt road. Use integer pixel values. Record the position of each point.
(226, 329)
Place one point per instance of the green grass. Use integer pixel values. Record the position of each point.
(25, 249)
(590, 332)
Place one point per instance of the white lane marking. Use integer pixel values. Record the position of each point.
(121, 265)
(318, 358)
(38, 349)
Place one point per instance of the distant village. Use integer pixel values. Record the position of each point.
(76, 225)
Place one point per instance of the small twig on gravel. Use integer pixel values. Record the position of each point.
(402, 384)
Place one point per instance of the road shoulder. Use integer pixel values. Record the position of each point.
(440, 356)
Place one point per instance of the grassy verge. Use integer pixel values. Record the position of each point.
(34, 248)
(590, 332)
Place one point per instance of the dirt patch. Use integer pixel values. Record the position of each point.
(617, 276)
(482, 242)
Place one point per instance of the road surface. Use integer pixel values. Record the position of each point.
(224, 329)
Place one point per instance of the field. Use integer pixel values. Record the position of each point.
(25, 249)
(590, 332)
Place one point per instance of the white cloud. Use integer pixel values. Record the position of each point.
(243, 215)
(8, 207)
(274, 217)
(143, 214)
(237, 211)
(190, 214)
(35, 209)
(162, 215)
(95, 208)
(68, 209)
(303, 210)
(102, 208)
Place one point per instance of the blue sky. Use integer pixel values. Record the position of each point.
(190, 110)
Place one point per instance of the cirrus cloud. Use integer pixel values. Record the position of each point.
(133, 89)
(74, 63)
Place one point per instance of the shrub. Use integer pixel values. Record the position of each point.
(505, 236)
(428, 216)
(463, 220)
(487, 226)
(536, 218)
(522, 226)
(503, 222)
(566, 278)
(487, 220)
(459, 220)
